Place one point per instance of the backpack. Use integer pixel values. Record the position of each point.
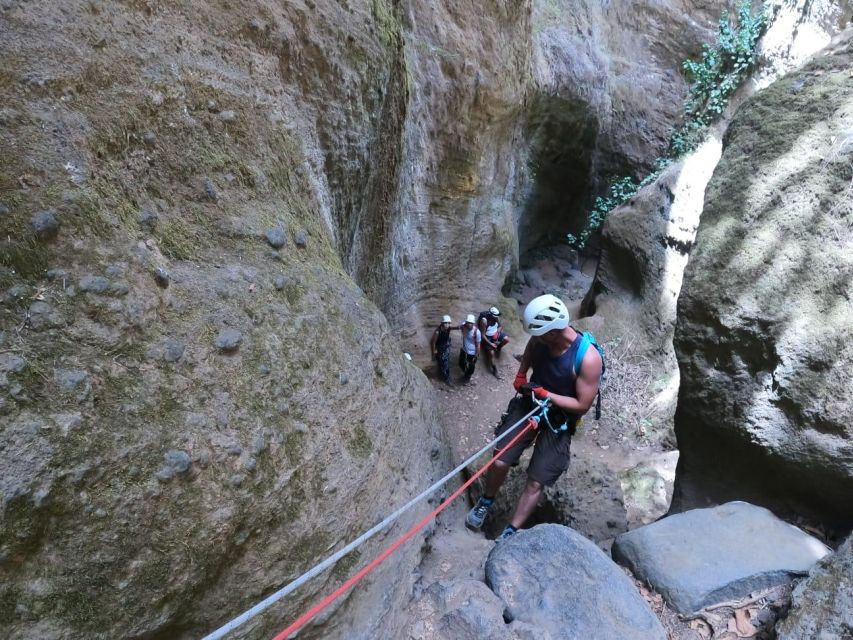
(587, 340)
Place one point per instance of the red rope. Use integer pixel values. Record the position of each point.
(325, 602)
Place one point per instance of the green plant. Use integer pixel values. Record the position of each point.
(713, 78)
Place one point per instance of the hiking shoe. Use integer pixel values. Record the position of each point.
(509, 531)
(477, 515)
(495, 371)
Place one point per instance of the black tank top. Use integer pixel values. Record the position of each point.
(443, 339)
(555, 374)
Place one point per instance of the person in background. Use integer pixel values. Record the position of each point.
(552, 353)
(470, 350)
(494, 337)
(440, 347)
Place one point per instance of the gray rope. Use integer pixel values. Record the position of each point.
(328, 562)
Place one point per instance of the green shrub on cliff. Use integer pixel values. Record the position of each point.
(714, 77)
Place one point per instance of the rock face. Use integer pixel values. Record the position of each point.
(514, 113)
(764, 316)
(823, 603)
(706, 556)
(645, 244)
(177, 440)
(555, 579)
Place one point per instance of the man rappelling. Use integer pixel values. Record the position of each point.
(566, 377)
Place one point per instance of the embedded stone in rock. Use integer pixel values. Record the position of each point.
(148, 216)
(178, 460)
(823, 603)
(276, 237)
(552, 577)
(210, 190)
(173, 349)
(10, 363)
(161, 277)
(94, 284)
(74, 381)
(301, 239)
(705, 556)
(229, 339)
(45, 224)
(42, 315)
(280, 282)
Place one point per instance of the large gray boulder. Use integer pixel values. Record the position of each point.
(763, 332)
(823, 603)
(707, 556)
(554, 578)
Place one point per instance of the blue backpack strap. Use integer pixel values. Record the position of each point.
(586, 340)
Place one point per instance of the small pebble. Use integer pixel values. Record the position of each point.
(280, 282)
(227, 116)
(276, 237)
(161, 277)
(301, 239)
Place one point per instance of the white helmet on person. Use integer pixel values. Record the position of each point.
(446, 319)
(470, 319)
(494, 311)
(544, 314)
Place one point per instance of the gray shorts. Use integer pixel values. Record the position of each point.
(551, 451)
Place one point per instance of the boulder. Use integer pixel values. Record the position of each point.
(553, 578)
(707, 556)
(763, 329)
(822, 606)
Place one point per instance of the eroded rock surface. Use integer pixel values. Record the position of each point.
(764, 316)
(823, 603)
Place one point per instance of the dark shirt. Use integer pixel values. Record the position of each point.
(555, 374)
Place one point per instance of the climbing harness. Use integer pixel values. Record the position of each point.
(331, 560)
(543, 407)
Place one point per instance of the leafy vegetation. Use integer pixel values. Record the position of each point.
(713, 78)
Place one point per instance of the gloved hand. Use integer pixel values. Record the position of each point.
(539, 392)
(520, 381)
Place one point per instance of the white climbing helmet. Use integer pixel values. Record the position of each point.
(545, 313)
(494, 311)
(446, 319)
(471, 318)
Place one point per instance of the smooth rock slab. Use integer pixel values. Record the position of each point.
(555, 579)
(706, 556)
(823, 603)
